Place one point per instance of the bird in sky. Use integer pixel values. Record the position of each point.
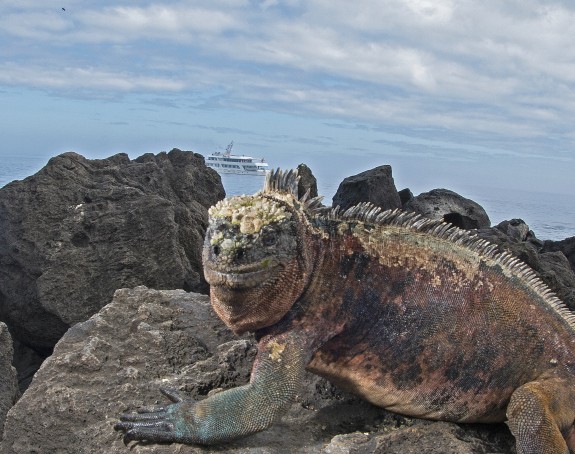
(63, 9)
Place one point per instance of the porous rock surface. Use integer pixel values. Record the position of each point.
(79, 229)
(547, 260)
(307, 181)
(375, 186)
(144, 339)
(566, 246)
(8, 383)
(448, 206)
(405, 195)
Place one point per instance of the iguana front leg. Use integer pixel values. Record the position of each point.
(275, 380)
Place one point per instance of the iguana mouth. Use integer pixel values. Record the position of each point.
(240, 277)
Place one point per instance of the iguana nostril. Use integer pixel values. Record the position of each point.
(240, 254)
(216, 250)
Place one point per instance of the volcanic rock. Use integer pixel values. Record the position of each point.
(405, 195)
(448, 206)
(77, 230)
(552, 267)
(375, 186)
(307, 182)
(8, 383)
(566, 246)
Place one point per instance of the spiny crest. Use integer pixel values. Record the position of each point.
(281, 181)
(287, 182)
(371, 214)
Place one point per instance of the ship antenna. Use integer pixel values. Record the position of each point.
(229, 147)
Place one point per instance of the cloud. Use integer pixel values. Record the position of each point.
(83, 78)
(177, 23)
(35, 25)
(95, 22)
(496, 70)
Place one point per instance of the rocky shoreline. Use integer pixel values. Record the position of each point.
(101, 288)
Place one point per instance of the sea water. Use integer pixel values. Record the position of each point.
(550, 216)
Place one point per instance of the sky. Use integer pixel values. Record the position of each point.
(452, 93)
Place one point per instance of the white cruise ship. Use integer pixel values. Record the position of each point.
(227, 162)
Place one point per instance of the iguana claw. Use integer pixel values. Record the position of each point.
(171, 394)
(154, 424)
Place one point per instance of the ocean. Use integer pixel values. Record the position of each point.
(549, 216)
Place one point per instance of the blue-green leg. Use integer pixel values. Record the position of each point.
(230, 414)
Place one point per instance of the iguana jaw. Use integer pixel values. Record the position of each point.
(241, 277)
(254, 299)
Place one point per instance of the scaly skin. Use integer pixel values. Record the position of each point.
(413, 315)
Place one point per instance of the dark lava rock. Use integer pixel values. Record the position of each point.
(77, 230)
(448, 206)
(567, 247)
(116, 361)
(511, 237)
(552, 267)
(516, 229)
(306, 181)
(375, 186)
(8, 383)
(557, 274)
(427, 437)
(27, 362)
(405, 195)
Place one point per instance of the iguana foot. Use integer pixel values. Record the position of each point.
(541, 414)
(166, 423)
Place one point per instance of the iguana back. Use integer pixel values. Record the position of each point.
(438, 324)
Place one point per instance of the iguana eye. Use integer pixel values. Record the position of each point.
(269, 238)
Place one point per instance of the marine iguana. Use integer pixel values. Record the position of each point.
(412, 314)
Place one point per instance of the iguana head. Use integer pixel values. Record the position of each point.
(255, 257)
